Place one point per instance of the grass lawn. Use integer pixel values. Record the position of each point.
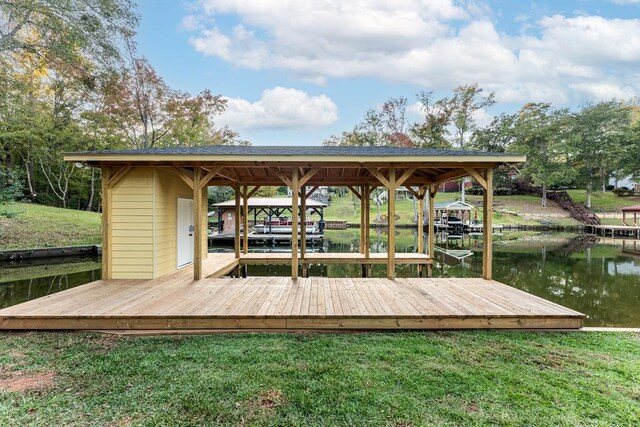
(392, 379)
(26, 225)
(507, 210)
(606, 201)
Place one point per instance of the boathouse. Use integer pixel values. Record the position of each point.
(265, 209)
(157, 272)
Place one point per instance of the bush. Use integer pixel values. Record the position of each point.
(474, 191)
(10, 187)
(622, 192)
(609, 187)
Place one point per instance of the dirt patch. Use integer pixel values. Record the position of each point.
(122, 422)
(23, 381)
(107, 342)
(472, 407)
(270, 399)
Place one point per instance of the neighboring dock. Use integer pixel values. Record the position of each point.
(620, 231)
(263, 239)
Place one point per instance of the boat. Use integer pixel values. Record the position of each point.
(285, 226)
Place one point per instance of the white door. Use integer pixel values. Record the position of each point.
(185, 232)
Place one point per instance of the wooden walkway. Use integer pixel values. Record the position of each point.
(173, 302)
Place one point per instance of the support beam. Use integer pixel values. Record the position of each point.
(197, 224)
(106, 223)
(355, 192)
(307, 176)
(383, 180)
(295, 191)
(476, 175)
(253, 191)
(209, 176)
(284, 178)
(487, 227)
(391, 220)
(118, 175)
(405, 175)
(236, 240)
(185, 177)
(433, 188)
(311, 191)
(245, 219)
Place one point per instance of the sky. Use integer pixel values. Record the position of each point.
(295, 72)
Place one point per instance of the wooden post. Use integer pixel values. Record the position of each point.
(421, 191)
(487, 227)
(303, 220)
(295, 191)
(197, 224)
(106, 223)
(245, 219)
(303, 230)
(362, 213)
(431, 227)
(236, 240)
(367, 220)
(391, 221)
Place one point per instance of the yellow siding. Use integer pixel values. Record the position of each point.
(132, 225)
(169, 187)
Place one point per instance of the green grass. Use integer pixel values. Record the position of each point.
(509, 210)
(606, 201)
(393, 379)
(25, 225)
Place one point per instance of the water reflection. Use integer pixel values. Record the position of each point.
(27, 280)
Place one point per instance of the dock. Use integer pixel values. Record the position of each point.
(176, 301)
(256, 239)
(621, 231)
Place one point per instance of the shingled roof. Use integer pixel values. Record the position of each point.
(254, 150)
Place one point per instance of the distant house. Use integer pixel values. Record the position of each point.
(628, 182)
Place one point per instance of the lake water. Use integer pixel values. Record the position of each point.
(598, 277)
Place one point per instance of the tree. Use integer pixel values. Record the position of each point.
(138, 105)
(540, 132)
(599, 133)
(67, 30)
(466, 101)
(433, 131)
(497, 136)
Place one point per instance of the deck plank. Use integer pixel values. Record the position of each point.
(280, 303)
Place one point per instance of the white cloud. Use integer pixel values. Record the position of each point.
(437, 44)
(626, 1)
(280, 108)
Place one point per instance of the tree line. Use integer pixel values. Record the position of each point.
(581, 148)
(71, 79)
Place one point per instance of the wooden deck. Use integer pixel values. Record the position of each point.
(175, 302)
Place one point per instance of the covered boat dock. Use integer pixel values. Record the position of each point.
(157, 273)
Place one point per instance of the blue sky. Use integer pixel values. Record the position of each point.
(297, 71)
